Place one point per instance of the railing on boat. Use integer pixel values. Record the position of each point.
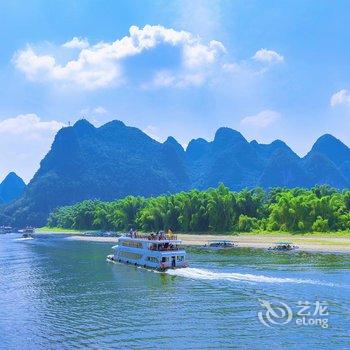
(165, 249)
(157, 237)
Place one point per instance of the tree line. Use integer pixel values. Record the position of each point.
(318, 209)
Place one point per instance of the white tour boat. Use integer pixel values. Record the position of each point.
(158, 251)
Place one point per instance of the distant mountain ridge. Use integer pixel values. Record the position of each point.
(11, 188)
(116, 160)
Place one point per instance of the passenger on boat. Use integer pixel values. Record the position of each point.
(151, 236)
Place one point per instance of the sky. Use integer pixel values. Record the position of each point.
(269, 69)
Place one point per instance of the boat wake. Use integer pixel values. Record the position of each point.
(202, 274)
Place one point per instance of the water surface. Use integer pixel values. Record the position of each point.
(61, 294)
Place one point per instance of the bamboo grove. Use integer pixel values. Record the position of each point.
(318, 209)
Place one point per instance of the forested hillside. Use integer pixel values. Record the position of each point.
(11, 188)
(115, 160)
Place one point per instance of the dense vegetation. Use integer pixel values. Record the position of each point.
(297, 210)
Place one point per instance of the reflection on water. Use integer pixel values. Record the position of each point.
(61, 294)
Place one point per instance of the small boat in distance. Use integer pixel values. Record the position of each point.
(283, 246)
(27, 232)
(102, 234)
(219, 244)
(5, 229)
(157, 251)
(28, 229)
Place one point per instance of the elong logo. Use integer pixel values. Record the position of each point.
(279, 313)
(274, 314)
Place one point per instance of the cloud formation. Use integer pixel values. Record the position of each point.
(261, 119)
(268, 56)
(99, 110)
(90, 71)
(100, 65)
(166, 78)
(24, 141)
(95, 115)
(76, 43)
(341, 97)
(29, 125)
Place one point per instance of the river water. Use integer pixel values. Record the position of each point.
(57, 293)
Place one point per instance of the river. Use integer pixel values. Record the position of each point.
(57, 293)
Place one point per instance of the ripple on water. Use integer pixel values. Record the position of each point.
(61, 294)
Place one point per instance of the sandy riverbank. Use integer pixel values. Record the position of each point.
(311, 243)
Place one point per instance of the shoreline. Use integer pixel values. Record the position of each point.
(307, 243)
(259, 241)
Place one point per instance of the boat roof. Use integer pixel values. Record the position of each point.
(156, 241)
(283, 243)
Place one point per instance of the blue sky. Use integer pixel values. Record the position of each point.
(270, 69)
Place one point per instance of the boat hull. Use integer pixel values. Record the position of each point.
(112, 259)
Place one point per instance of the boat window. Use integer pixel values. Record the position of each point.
(132, 244)
(129, 255)
(152, 259)
(164, 259)
(180, 258)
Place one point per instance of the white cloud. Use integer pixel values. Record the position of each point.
(82, 72)
(180, 80)
(99, 110)
(93, 111)
(268, 56)
(205, 17)
(76, 43)
(24, 141)
(262, 119)
(340, 98)
(29, 125)
(33, 65)
(100, 65)
(232, 67)
(199, 55)
(162, 78)
(95, 115)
